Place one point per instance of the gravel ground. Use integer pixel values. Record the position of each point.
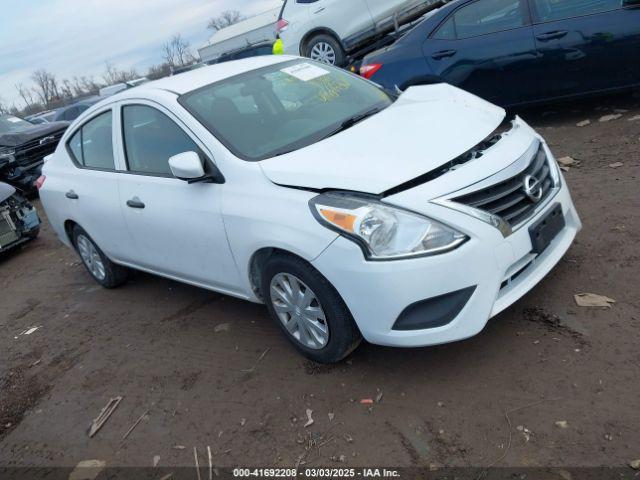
(194, 360)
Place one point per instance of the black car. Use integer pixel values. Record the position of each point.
(23, 147)
(73, 111)
(514, 52)
(19, 221)
(257, 50)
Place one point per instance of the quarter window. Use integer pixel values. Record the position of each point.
(92, 145)
(549, 10)
(151, 138)
(488, 16)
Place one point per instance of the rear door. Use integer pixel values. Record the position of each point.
(486, 47)
(344, 17)
(91, 191)
(383, 9)
(586, 45)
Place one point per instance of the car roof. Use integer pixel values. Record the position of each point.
(194, 79)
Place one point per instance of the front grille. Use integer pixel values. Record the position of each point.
(508, 199)
(30, 155)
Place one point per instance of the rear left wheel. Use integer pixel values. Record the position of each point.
(103, 270)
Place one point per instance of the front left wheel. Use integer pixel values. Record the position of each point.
(103, 270)
(308, 309)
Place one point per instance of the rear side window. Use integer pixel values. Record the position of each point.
(92, 145)
(488, 16)
(549, 10)
(151, 138)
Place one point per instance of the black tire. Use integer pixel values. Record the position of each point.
(339, 53)
(114, 275)
(344, 336)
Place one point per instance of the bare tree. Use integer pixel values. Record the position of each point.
(87, 85)
(159, 71)
(26, 94)
(113, 74)
(110, 75)
(46, 86)
(66, 89)
(177, 52)
(225, 19)
(3, 108)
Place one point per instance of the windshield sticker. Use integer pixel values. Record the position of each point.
(305, 72)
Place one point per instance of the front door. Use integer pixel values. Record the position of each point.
(486, 47)
(383, 9)
(176, 229)
(346, 18)
(586, 45)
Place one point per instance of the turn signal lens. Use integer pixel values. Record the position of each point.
(344, 221)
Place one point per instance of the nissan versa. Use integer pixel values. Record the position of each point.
(348, 211)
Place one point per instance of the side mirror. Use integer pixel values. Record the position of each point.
(187, 166)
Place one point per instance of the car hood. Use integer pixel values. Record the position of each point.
(32, 133)
(424, 129)
(6, 191)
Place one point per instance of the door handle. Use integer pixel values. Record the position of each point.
(320, 10)
(545, 37)
(135, 203)
(444, 54)
(71, 195)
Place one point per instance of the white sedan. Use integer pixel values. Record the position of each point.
(350, 212)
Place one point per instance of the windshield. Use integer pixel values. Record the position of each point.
(283, 107)
(11, 124)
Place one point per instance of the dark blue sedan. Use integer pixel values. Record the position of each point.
(515, 52)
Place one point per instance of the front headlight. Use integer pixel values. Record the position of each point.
(384, 232)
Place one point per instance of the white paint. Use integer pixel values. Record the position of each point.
(206, 234)
(305, 71)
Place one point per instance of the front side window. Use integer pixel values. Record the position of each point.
(151, 138)
(282, 108)
(92, 145)
(549, 10)
(488, 16)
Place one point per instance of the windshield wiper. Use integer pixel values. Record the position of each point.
(346, 124)
(350, 122)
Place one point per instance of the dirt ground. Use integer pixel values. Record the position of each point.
(196, 362)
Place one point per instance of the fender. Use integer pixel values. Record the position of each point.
(320, 31)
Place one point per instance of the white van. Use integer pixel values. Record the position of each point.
(328, 30)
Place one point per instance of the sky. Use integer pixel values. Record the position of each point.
(76, 37)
